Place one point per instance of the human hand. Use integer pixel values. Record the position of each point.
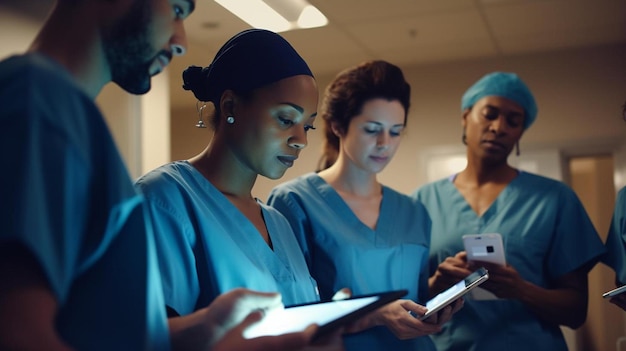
(230, 309)
(504, 281)
(234, 340)
(445, 314)
(400, 317)
(448, 273)
(342, 294)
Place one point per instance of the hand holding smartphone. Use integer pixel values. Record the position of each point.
(486, 247)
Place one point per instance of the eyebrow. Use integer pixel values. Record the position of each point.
(298, 108)
(509, 112)
(380, 124)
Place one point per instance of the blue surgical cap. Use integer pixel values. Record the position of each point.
(249, 60)
(506, 85)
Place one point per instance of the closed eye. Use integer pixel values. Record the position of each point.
(285, 121)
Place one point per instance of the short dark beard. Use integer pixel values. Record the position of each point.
(128, 50)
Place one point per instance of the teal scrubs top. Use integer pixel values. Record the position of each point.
(207, 246)
(69, 200)
(341, 251)
(616, 240)
(546, 234)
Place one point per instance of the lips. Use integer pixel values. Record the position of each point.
(287, 160)
(380, 158)
(494, 144)
(158, 64)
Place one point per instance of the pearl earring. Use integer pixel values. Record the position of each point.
(230, 119)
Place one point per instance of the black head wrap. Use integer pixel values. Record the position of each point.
(251, 59)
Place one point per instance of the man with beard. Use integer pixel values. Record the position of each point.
(77, 260)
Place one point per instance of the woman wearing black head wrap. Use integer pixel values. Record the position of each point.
(211, 234)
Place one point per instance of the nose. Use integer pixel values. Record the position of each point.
(298, 140)
(382, 141)
(178, 42)
(498, 125)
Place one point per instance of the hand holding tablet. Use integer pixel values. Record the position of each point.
(456, 291)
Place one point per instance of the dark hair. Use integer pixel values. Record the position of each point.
(350, 90)
(197, 80)
(251, 59)
(624, 111)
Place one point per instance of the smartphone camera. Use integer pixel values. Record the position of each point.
(489, 249)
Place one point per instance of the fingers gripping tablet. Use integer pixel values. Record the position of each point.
(459, 289)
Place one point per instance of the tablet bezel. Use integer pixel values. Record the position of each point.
(614, 292)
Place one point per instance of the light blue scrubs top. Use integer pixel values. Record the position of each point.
(546, 234)
(207, 246)
(341, 251)
(69, 200)
(616, 240)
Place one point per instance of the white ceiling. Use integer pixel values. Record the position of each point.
(411, 32)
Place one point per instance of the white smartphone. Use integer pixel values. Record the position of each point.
(484, 247)
(614, 292)
(461, 288)
(327, 315)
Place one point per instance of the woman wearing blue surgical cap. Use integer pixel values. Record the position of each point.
(550, 244)
(211, 234)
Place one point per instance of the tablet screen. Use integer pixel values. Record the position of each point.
(325, 314)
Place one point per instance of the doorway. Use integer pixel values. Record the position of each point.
(592, 178)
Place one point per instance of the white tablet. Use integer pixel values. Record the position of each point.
(484, 247)
(459, 289)
(614, 292)
(327, 315)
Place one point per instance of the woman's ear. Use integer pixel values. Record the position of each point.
(228, 102)
(466, 113)
(335, 129)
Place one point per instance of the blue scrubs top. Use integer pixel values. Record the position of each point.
(546, 234)
(616, 240)
(341, 251)
(70, 201)
(207, 246)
